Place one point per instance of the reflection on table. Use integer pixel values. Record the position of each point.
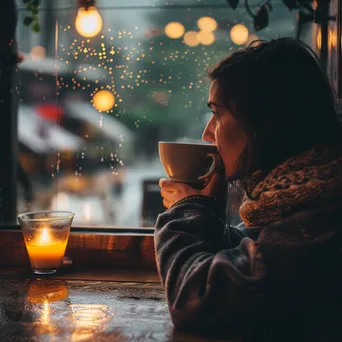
(70, 309)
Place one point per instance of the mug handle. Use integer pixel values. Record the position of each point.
(214, 168)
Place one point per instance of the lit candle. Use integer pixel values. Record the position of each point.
(46, 235)
(45, 252)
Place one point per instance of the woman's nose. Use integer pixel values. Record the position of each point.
(208, 133)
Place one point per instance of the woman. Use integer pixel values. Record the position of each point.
(275, 127)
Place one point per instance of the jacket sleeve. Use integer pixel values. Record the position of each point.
(206, 286)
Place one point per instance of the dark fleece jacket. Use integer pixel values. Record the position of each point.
(283, 277)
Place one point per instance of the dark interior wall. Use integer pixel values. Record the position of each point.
(8, 117)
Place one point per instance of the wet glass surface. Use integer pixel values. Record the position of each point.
(65, 310)
(148, 69)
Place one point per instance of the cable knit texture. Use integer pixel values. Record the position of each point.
(310, 176)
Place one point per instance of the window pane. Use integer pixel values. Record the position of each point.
(93, 109)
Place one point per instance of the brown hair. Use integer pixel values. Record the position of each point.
(284, 101)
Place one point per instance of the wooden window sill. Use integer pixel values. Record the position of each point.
(119, 248)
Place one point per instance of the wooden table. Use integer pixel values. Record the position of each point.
(116, 305)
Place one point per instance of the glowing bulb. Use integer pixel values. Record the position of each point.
(191, 38)
(207, 24)
(206, 38)
(174, 30)
(88, 22)
(239, 34)
(103, 100)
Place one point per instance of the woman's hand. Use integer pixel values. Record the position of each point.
(173, 192)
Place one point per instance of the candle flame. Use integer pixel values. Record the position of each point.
(45, 237)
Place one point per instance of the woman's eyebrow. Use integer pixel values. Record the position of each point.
(210, 103)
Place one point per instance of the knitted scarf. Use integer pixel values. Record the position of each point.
(310, 176)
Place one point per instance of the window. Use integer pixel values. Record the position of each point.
(92, 110)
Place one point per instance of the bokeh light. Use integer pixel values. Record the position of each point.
(206, 38)
(332, 38)
(239, 34)
(191, 38)
(38, 53)
(174, 30)
(319, 38)
(207, 24)
(88, 22)
(103, 100)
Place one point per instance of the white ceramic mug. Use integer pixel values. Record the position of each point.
(189, 163)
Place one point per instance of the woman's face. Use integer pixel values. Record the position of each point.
(224, 131)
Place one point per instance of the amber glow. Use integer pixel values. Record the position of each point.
(206, 38)
(103, 100)
(88, 22)
(88, 319)
(45, 326)
(191, 38)
(174, 30)
(207, 24)
(45, 237)
(46, 252)
(332, 38)
(319, 38)
(45, 313)
(46, 292)
(239, 34)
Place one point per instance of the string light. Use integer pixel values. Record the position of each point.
(239, 34)
(191, 38)
(88, 22)
(205, 38)
(174, 30)
(103, 100)
(207, 24)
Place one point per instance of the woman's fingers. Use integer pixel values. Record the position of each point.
(161, 181)
(171, 196)
(166, 203)
(166, 194)
(166, 184)
(173, 192)
(172, 186)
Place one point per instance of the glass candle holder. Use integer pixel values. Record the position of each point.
(46, 235)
